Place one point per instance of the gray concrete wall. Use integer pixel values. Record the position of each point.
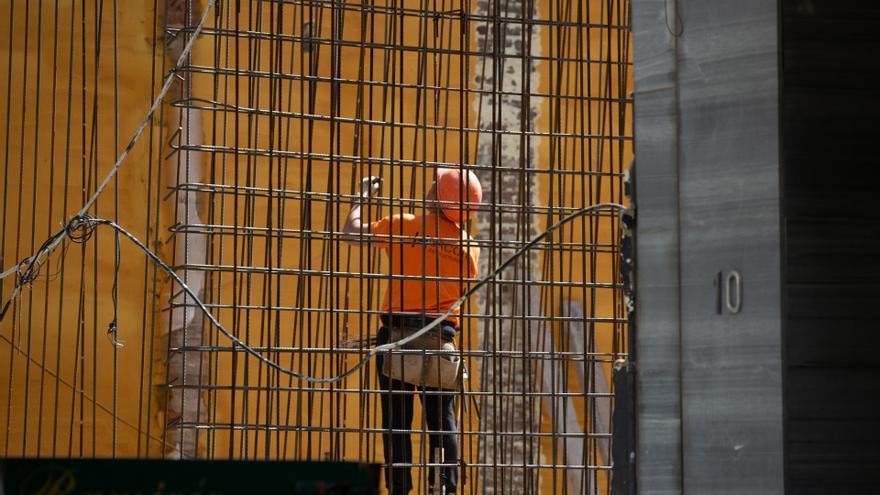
(658, 351)
(707, 133)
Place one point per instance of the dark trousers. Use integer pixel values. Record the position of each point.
(397, 414)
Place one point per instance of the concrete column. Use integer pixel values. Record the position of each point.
(186, 323)
(512, 113)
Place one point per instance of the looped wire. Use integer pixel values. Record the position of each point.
(80, 228)
(113, 335)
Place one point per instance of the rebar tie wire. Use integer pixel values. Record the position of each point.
(81, 227)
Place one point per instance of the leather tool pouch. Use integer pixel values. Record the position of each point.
(423, 369)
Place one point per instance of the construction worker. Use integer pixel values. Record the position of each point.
(435, 254)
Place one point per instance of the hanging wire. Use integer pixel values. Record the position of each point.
(83, 227)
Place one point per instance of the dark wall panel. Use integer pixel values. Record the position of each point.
(829, 113)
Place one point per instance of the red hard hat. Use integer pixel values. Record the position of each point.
(461, 188)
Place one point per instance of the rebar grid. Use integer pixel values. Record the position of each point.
(250, 170)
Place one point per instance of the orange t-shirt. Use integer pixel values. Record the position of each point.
(432, 248)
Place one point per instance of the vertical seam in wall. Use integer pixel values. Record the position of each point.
(678, 154)
(783, 228)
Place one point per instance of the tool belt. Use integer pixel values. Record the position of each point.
(426, 368)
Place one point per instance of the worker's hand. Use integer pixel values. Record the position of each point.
(370, 186)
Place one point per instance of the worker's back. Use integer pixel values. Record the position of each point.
(431, 260)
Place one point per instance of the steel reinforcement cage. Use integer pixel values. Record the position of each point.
(269, 114)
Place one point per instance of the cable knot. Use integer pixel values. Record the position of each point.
(80, 228)
(27, 270)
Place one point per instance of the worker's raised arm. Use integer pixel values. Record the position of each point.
(354, 227)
